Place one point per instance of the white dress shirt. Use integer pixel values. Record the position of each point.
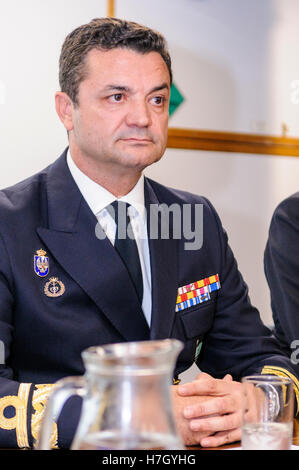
(98, 198)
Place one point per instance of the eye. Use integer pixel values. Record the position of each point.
(158, 100)
(116, 98)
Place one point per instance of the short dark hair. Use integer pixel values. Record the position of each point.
(104, 34)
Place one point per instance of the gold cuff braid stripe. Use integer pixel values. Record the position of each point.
(280, 371)
(22, 436)
(39, 399)
(19, 420)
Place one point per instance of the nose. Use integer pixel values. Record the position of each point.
(139, 114)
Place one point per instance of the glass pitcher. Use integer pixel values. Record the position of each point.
(127, 401)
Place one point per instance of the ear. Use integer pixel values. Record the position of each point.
(64, 108)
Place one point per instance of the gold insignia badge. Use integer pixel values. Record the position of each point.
(54, 287)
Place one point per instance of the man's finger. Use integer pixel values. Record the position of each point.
(221, 438)
(216, 405)
(203, 375)
(228, 378)
(216, 423)
(208, 386)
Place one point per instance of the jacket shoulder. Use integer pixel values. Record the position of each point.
(173, 195)
(287, 210)
(22, 194)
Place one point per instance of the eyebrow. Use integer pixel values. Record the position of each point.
(128, 89)
(117, 88)
(163, 86)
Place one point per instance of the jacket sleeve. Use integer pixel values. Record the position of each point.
(281, 265)
(238, 342)
(21, 404)
(21, 411)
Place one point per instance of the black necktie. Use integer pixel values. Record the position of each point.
(125, 244)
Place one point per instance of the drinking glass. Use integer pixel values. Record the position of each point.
(268, 412)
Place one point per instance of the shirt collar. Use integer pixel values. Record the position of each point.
(98, 197)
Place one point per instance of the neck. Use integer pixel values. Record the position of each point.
(118, 180)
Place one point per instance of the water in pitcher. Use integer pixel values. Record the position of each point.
(267, 436)
(113, 440)
(127, 402)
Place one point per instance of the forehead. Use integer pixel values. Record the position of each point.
(125, 65)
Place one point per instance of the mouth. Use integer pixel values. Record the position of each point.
(137, 140)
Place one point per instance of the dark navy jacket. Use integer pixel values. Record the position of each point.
(45, 335)
(281, 261)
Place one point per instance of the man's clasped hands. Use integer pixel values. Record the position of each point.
(208, 411)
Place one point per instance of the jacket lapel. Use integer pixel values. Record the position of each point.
(92, 262)
(164, 269)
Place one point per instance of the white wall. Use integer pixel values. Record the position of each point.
(234, 60)
(31, 35)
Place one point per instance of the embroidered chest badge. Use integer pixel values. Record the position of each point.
(54, 287)
(41, 263)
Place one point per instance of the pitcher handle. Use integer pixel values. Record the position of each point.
(63, 390)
